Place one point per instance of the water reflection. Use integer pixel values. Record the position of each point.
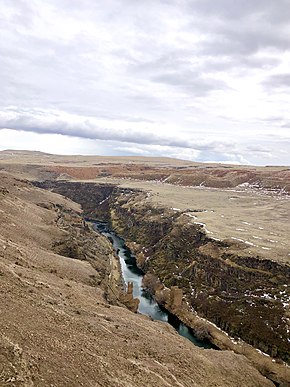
(131, 273)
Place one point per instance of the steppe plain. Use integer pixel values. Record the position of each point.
(250, 205)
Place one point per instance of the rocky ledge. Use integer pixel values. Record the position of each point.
(56, 325)
(246, 297)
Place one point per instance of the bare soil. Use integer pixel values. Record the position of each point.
(56, 327)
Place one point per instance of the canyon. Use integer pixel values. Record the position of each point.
(214, 252)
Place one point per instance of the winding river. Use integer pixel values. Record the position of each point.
(131, 273)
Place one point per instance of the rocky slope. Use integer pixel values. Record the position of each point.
(209, 176)
(172, 171)
(245, 296)
(56, 325)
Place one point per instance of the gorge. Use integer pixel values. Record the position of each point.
(215, 259)
(132, 274)
(218, 282)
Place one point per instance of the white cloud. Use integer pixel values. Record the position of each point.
(194, 79)
(50, 143)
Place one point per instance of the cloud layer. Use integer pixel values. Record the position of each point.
(197, 79)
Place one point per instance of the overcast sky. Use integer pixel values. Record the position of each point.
(204, 80)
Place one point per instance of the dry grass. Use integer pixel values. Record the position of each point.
(56, 328)
(260, 220)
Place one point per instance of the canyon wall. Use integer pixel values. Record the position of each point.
(244, 296)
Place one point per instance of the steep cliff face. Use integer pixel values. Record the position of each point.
(56, 326)
(94, 202)
(245, 296)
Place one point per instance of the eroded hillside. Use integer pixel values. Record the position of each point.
(245, 295)
(159, 170)
(56, 325)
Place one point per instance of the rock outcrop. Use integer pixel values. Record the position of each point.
(244, 296)
(56, 326)
(128, 299)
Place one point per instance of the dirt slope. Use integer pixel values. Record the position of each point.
(163, 169)
(56, 327)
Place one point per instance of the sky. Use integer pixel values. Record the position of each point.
(201, 80)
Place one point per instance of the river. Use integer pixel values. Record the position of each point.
(131, 273)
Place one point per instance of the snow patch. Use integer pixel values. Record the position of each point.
(190, 215)
(263, 353)
(103, 201)
(244, 241)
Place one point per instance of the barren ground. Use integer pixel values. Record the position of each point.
(258, 220)
(56, 328)
(258, 217)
